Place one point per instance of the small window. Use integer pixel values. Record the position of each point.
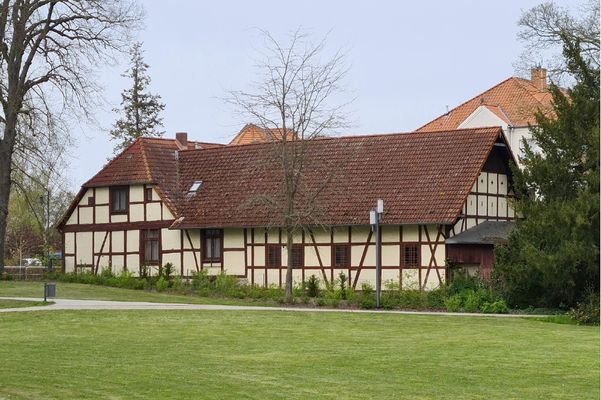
(341, 255)
(91, 200)
(195, 186)
(148, 195)
(211, 245)
(298, 256)
(151, 239)
(119, 199)
(411, 255)
(273, 255)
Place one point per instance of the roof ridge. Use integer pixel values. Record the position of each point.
(145, 162)
(361, 136)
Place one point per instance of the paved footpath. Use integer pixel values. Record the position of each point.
(70, 304)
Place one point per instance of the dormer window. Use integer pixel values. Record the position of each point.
(195, 186)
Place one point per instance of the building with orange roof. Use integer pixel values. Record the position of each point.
(511, 104)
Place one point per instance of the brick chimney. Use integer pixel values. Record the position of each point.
(538, 77)
(182, 139)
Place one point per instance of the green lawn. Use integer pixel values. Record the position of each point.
(93, 292)
(291, 355)
(20, 303)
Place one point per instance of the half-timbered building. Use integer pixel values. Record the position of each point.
(202, 206)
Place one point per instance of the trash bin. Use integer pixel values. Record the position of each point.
(49, 290)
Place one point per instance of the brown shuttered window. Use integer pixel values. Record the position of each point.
(341, 255)
(148, 195)
(119, 199)
(212, 240)
(411, 255)
(273, 255)
(298, 256)
(151, 240)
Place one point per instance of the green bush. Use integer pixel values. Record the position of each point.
(342, 290)
(453, 303)
(496, 307)
(227, 285)
(167, 271)
(367, 300)
(412, 299)
(434, 299)
(201, 280)
(162, 284)
(312, 286)
(586, 312)
(471, 300)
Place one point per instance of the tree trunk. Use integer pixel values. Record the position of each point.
(289, 238)
(5, 183)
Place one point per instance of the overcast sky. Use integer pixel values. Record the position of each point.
(408, 61)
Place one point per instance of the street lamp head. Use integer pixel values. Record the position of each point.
(372, 217)
(380, 206)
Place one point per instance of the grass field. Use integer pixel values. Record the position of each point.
(289, 355)
(93, 292)
(20, 303)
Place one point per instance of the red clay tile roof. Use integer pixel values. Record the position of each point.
(146, 160)
(514, 99)
(421, 178)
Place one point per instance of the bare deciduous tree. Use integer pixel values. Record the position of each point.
(294, 99)
(49, 50)
(542, 28)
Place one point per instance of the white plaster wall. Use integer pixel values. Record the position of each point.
(170, 239)
(153, 211)
(136, 212)
(133, 241)
(102, 214)
(233, 238)
(136, 193)
(84, 248)
(102, 195)
(410, 233)
(69, 242)
(233, 262)
(118, 241)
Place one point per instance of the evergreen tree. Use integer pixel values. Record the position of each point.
(552, 257)
(140, 108)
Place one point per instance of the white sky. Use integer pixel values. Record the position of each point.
(408, 60)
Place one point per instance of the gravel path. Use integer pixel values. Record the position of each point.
(70, 304)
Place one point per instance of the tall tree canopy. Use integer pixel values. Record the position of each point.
(140, 108)
(552, 258)
(48, 53)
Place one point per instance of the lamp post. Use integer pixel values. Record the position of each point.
(375, 217)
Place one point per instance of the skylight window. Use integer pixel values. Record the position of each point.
(195, 186)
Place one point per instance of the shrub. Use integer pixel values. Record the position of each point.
(162, 284)
(411, 299)
(227, 285)
(126, 280)
(201, 280)
(342, 283)
(586, 312)
(496, 307)
(453, 303)
(435, 299)
(471, 300)
(312, 286)
(168, 270)
(367, 298)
